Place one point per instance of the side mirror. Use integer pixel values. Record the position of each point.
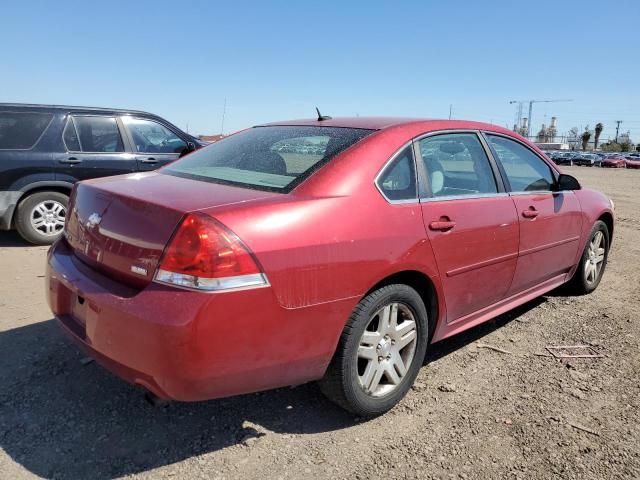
(191, 146)
(567, 182)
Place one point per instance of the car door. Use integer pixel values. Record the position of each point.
(94, 148)
(550, 221)
(469, 220)
(154, 144)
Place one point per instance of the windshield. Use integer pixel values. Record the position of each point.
(269, 158)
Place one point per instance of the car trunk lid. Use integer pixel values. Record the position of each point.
(120, 225)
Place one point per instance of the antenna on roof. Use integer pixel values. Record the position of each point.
(322, 117)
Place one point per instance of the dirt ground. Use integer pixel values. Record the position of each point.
(473, 413)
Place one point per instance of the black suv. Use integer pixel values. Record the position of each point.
(45, 149)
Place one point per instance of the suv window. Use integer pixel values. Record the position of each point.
(457, 164)
(152, 137)
(525, 171)
(268, 158)
(21, 130)
(70, 136)
(398, 181)
(98, 134)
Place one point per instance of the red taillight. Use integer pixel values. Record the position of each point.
(203, 254)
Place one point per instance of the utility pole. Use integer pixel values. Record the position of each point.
(224, 110)
(618, 122)
(450, 109)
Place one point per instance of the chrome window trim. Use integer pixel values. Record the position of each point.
(534, 192)
(448, 198)
(448, 131)
(386, 165)
(70, 121)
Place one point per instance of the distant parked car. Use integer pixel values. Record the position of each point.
(586, 159)
(45, 149)
(564, 158)
(632, 161)
(614, 161)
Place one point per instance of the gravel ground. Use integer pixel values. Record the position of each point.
(473, 413)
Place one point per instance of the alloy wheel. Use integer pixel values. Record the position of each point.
(386, 349)
(48, 217)
(595, 258)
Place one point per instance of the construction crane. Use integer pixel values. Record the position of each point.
(531, 102)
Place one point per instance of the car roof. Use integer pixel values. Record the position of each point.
(381, 123)
(37, 106)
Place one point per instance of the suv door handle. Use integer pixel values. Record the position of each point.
(531, 213)
(442, 225)
(71, 160)
(147, 160)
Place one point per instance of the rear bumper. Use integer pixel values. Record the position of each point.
(190, 346)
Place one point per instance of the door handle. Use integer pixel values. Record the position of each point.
(531, 213)
(147, 160)
(442, 225)
(71, 160)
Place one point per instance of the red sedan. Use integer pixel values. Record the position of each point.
(632, 162)
(335, 250)
(614, 161)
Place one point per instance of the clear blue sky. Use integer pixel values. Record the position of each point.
(277, 60)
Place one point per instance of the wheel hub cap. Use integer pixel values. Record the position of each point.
(384, 347)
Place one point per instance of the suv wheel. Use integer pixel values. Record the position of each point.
(380, 352)
(40, 217)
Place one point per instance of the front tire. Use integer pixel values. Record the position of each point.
(593, 261)
(40, 217)
(380, 352)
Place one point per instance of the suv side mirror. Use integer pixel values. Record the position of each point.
(191, 146)
(567, 182)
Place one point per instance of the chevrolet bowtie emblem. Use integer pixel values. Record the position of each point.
(93, 220)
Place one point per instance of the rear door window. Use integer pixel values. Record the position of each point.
(21, 130)
(98, 134)
(456, 165)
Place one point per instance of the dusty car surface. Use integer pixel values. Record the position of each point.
(333, 249)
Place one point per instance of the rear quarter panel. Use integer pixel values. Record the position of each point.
(594, 205)
(335, 236)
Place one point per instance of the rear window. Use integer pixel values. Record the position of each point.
(21, 130)
(268, 158)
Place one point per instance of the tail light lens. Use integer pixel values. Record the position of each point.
(205, 255)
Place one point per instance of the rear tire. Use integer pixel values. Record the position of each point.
(40, 217)
(380, 352)
(593, 261)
